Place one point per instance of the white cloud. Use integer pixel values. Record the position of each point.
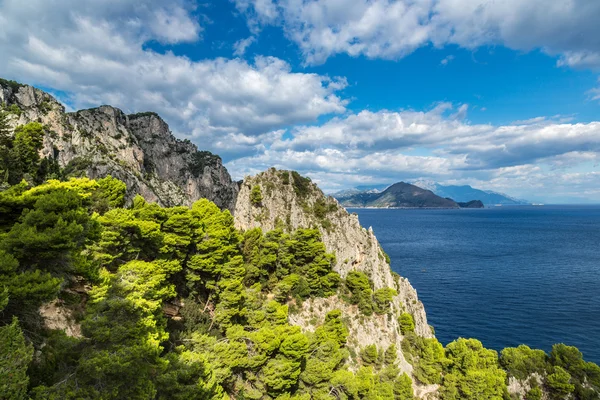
(241, 45)
(445, 131)
(447, 60)
(95, 52)
(594, 94)
(395, 28)
(387, 146)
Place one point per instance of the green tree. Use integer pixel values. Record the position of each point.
(403, 388)
(407, 323)
(360, 287)
(522, 361)
(382, 299)
(15, 356)
(5, 147)
(535, 393)
(559, 383)
(472, 372)
(369, 355)
(256, 197)
(26, 145)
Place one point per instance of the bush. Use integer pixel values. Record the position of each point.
(522, 361)
(559, 383)
(382, 299)
(256, 197)
(407, 323)
(360, 287)
(369, 355)
(535, 393)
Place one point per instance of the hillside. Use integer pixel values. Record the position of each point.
(401, 195)
(467, 193)
(138, 149)
(107, 295)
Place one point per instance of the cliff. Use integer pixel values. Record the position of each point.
(290, 201)
(138, 149)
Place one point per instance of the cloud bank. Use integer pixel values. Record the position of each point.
(392, 29)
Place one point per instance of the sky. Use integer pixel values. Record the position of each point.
(501, 95)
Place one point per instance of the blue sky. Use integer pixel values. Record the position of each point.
(500, 95)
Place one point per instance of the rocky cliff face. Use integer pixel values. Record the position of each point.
(290, 201)
(139, 149)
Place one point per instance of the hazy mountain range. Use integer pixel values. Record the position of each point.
(401, 195)
(363, 195)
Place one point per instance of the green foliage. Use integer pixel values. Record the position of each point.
(256, 197)
(292, 265)
(143, 114)
(46, 230)
(569, 358)
(15, 356)
(201, 160)
(302, 185)
(183, 305)
(407, 323)
(427, 357)
(369, 355)
(360, 287)
(559, 383)
(472, 372)
(522, 361)
(535, 393)
(14, 86)
(382, 299)
(26, 145)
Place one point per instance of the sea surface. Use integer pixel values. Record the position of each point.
(503, 275)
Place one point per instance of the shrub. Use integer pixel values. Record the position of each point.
(559, 383)
(382, 299)
(256, 197)
(407, 323)
(369, 355)
(522, 361)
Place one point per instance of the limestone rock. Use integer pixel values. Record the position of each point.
(56, 316)
(290, 201)
(139, 149)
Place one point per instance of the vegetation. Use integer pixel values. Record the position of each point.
(360, 291)
(182, 305)
(143, 114)
(407, 323)
(200, 160)
(256, 197)
(11, 84)
(232, 340)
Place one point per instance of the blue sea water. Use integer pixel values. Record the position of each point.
(503, 275)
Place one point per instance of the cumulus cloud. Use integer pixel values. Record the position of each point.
(440, 144)
(395, 28)
(95, 52)
(445, 131)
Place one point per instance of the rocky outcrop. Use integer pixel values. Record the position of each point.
(471, 204)
(518, 388)
(290, 201)
(138, 149)
(57, 316)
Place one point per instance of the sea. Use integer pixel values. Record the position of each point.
(505, 275)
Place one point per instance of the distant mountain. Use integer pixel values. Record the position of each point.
(467, 193)
(400, 194)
